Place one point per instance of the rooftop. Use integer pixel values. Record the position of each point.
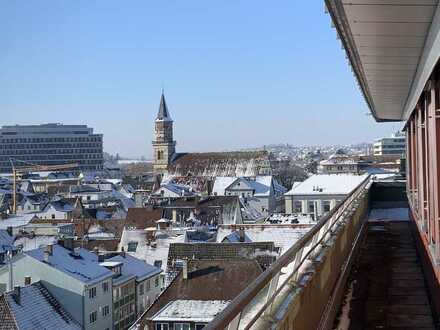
(327, 184)
(207, 281)
(16, 221)
(283, 235)
(6, 241)
(212, 164)
(35, 309)
(190, 310)
(82, 265)
(143, 217)
(135, 266)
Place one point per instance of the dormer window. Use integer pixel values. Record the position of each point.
(114, 266)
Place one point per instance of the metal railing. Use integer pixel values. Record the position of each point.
(255, 306)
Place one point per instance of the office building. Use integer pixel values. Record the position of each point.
(50, 144)
(394, 145)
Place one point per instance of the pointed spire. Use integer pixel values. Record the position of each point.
(163, 113)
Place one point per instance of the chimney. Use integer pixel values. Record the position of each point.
(27, 280)
(122, 252)
(68, 243)
(185, 269)
(76, 251)
(46, 256)
(17, 294)
(241, 234)
(9, 230)
(49, 249)
(96, 250)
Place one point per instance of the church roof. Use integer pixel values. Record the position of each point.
(213, 164)
(163, 113)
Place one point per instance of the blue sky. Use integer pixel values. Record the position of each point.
(236, 73)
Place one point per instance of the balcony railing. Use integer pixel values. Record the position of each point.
(276, 297)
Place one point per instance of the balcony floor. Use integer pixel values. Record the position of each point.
(386, 287)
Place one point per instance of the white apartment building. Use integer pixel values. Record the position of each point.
(320, 193)
(394, 145)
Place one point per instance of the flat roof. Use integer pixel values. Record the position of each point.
(202, 311)
(327, 184)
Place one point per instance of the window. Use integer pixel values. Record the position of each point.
(156, 282)
(93, 317)
(182, 326)
(141, 289)
(92, 292)
(199, 326)
(147, 285)
(105, 286)
(162, 326)
(311, 206)
(298, 206)
(326, 206)
(132, 246)
(105, 310)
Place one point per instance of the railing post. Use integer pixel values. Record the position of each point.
(272, 288)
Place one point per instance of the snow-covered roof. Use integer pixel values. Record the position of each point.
(113, 181)
(328, 184)
(38, 309)
(283, 236)
(261, 184)
(340, 159)
(221, 183)
(96, 231)
(249, 212)
(35, 242)
(202, 311)
(6, 241)
(177, 189)
(135, 266)
(16, 221)
(147, 252)
(82, 266)
(61, 205)
(302, 219)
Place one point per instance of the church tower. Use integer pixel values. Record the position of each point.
(164, 146)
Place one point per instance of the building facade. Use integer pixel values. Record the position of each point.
(74, 278)
(50, 144)
(394, 145)
(320, 193)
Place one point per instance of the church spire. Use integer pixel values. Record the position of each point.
(163, 113)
